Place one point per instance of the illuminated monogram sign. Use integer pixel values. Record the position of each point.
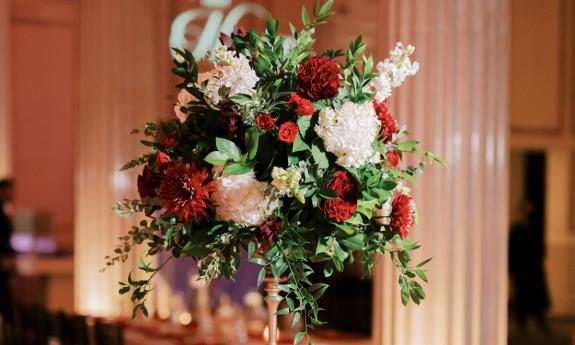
(187, 34)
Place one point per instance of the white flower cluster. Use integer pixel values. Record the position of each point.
(286, 181)
(244, 200)
(184, 98)
(231, 75)
(393, 71)
(349, 132)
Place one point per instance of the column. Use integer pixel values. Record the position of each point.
(457, 106)
(5, 156)
(120, 55)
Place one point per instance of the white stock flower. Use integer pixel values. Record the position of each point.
(231, 75)
(393, 71)
(349, 132)
(243, 199)
(286, 181)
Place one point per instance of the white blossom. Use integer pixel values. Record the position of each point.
(349, 132)
(231, 75)
(286, 182)
(243, 199)
(393, 71)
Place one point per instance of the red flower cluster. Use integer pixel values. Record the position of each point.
(318, 78)
(301, 105)
(168, 141)
(342, 208)
(402, 214)
(147, 183)
(185, 191)
(389, 125)
(265, 122)
(162, 159)
(392, 159)
(268, 233)
(287, 132)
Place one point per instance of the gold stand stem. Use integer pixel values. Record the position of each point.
(273, 302)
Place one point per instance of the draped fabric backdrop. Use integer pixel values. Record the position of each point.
(4, 82)
(457, 105)
(119, 90)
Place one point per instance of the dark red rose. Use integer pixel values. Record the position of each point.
(342, 208)
(185, 192)
(338, 210)
(265, 122)
(389, 125)
(162, 159)
(147, 183)
(343, 184)
(392, 159)
(402, 214)
(301, 105)
(318, 78)
(287, 132)
(168, 141)
(268, 233)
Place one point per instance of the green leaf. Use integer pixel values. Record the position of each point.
(145, 267)
(261, 276)
(303, 124)
(217, 158)
(305, 16)
(299, 144)
(319, 156)
(408, 146)
(124, 290)
(252, 142)
(298, 338)
(354, 242)
(228, 148)
(238, 169)
(421, 264)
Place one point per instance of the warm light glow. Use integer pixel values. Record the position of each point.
(185, 318)
(164, 313)
(266, 335)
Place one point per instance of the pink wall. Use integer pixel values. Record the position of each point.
(43, 106)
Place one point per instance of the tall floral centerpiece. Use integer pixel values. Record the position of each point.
(289, 154)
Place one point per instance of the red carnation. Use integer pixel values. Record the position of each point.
(318, 78)
(402, 214)
(162, 159)
(147, 183)
(301, 105)
(185, 191)
(342, 208)
(265, 122)
(287, 132)
(389, 125)
(392, 159)
(168, 141)
(268, 233)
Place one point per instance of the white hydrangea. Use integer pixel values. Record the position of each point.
(231, 75)
(243, 199)
(393, 71)
(349, 132)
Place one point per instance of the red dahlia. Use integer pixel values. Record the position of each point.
(147, 183)
(318, 78)
(287, 132)
(185, 191)
(265, 122)
(402, 214)
(389, 125)
(342, 208)
(301, 105)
